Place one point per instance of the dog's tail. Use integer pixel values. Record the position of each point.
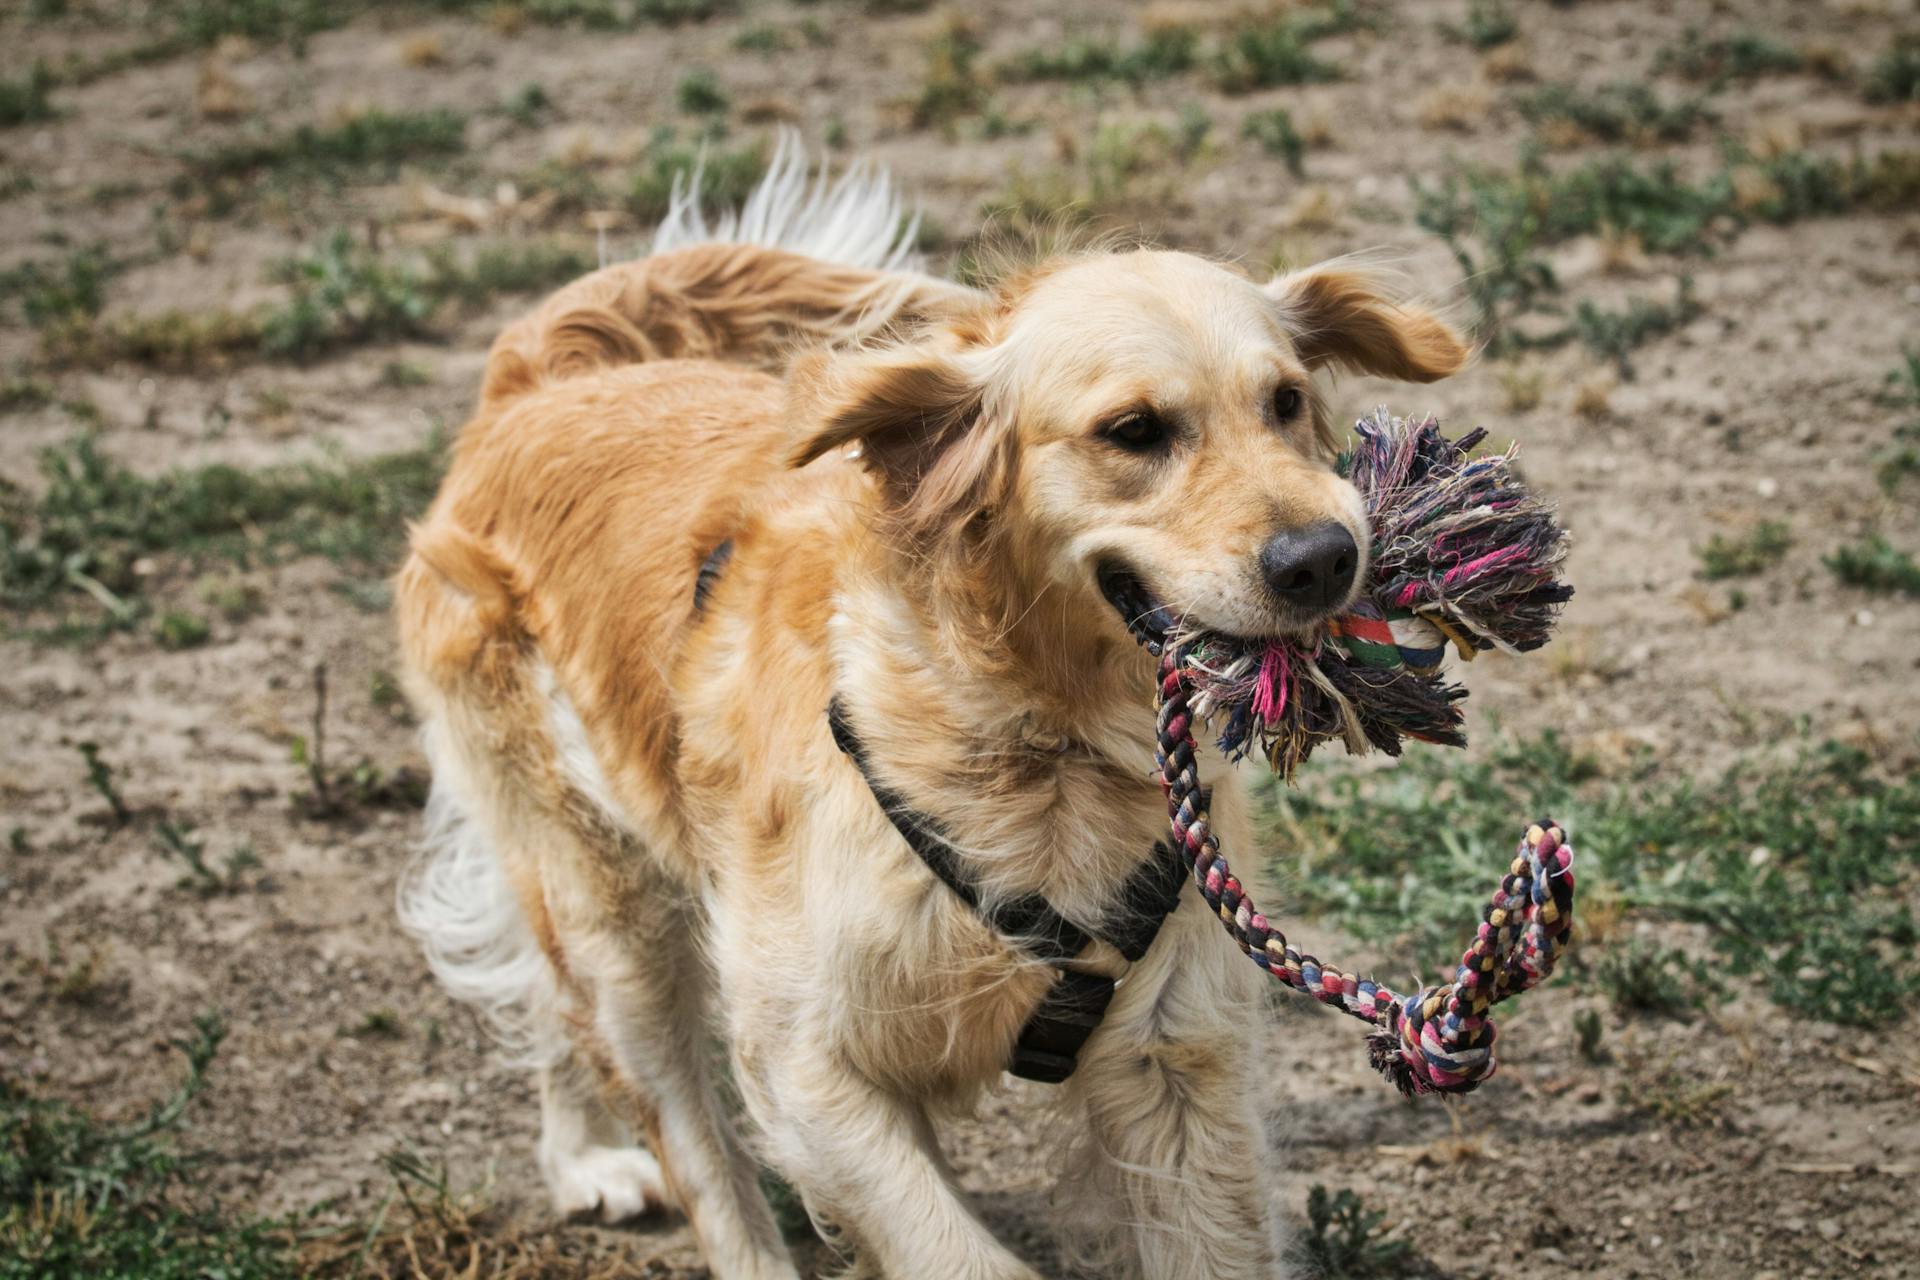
(804, 262)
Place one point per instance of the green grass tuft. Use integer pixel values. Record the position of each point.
(1489, 24)
(53, 294)
(1615, 335)
(1902, 456)
(27, 100)
(1895, 76)
(1742, 557)
(1270, 55)
(699, 93)
(1623, 112)
(953, 87)
(1163, 53)
(1344, 1240)
(377, 142)
(1274, 131)
(1876, 565)
(82, 1198)
(95, 519)
(1744, 55)
(1797, 870)
(204, 23)
(728, 175)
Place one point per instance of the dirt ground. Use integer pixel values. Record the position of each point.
(341, 1047)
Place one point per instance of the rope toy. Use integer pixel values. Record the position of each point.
(1462, 554)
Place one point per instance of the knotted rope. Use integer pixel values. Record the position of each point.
(1438, 1040)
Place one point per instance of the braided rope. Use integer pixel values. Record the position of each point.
(1438, 1040)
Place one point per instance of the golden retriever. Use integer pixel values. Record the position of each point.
(642, 838)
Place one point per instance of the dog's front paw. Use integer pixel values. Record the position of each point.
(612, 1183)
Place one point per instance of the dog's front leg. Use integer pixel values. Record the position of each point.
(865, 1160)
(1172, 1182)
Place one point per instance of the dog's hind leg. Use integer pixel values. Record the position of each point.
(587, 1156)
(585, 959)
(659, 1068)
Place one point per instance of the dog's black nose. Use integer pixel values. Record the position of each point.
(1311, 567)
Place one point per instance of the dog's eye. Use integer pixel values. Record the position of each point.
(1139, 432)
(1287, 403)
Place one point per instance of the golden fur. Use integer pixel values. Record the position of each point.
(916, 523)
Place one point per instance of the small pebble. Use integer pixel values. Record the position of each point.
(1767, 486)
(1828, 1229)
(1864, 618)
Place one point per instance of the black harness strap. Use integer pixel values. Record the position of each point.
(1049, 1044)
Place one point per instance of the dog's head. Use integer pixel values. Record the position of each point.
(1139, 428)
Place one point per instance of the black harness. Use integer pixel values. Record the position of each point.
(1049, 1044)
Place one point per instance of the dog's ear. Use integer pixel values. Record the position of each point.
(1342, 316)
(916, 414)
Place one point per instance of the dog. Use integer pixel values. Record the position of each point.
(772, 468)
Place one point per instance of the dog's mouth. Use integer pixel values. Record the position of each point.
(1156, 626)
(1149, 622)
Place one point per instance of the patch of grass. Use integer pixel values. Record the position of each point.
(1167, 51)
(177, 629)
(205, 23)
(1648, 978)
(1895, 76)
(1489, 24)
(94, 519)
(1622, 112)
(182, 341)
(1273, 130)
(1744, 55)
(1499, 223)
(1875, 564)
(1742, 557)
(763, 38)
(175, 839)
(377, 1024)
(100, 778)
(1673, 1095)
(528, 105)
(672, 13)
(508, 267)
(376, 142)
(953, 87)
(1615, 335)
(404, 373)
(1496, 229)
(1129, 168)
(342, 295)
(1590, 1035)
(1272, 55)
(1345, 1241)
(79, 1197)
(1797, 869)
(27, 100)
(79, 980)
(699, 93)
(338, 792)
(728, 175)
(20, 394)
(52, 294)
(1902, 457)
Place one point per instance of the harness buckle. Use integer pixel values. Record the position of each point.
(1049, 1045)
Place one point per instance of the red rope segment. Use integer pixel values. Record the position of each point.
(1438, 1040)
